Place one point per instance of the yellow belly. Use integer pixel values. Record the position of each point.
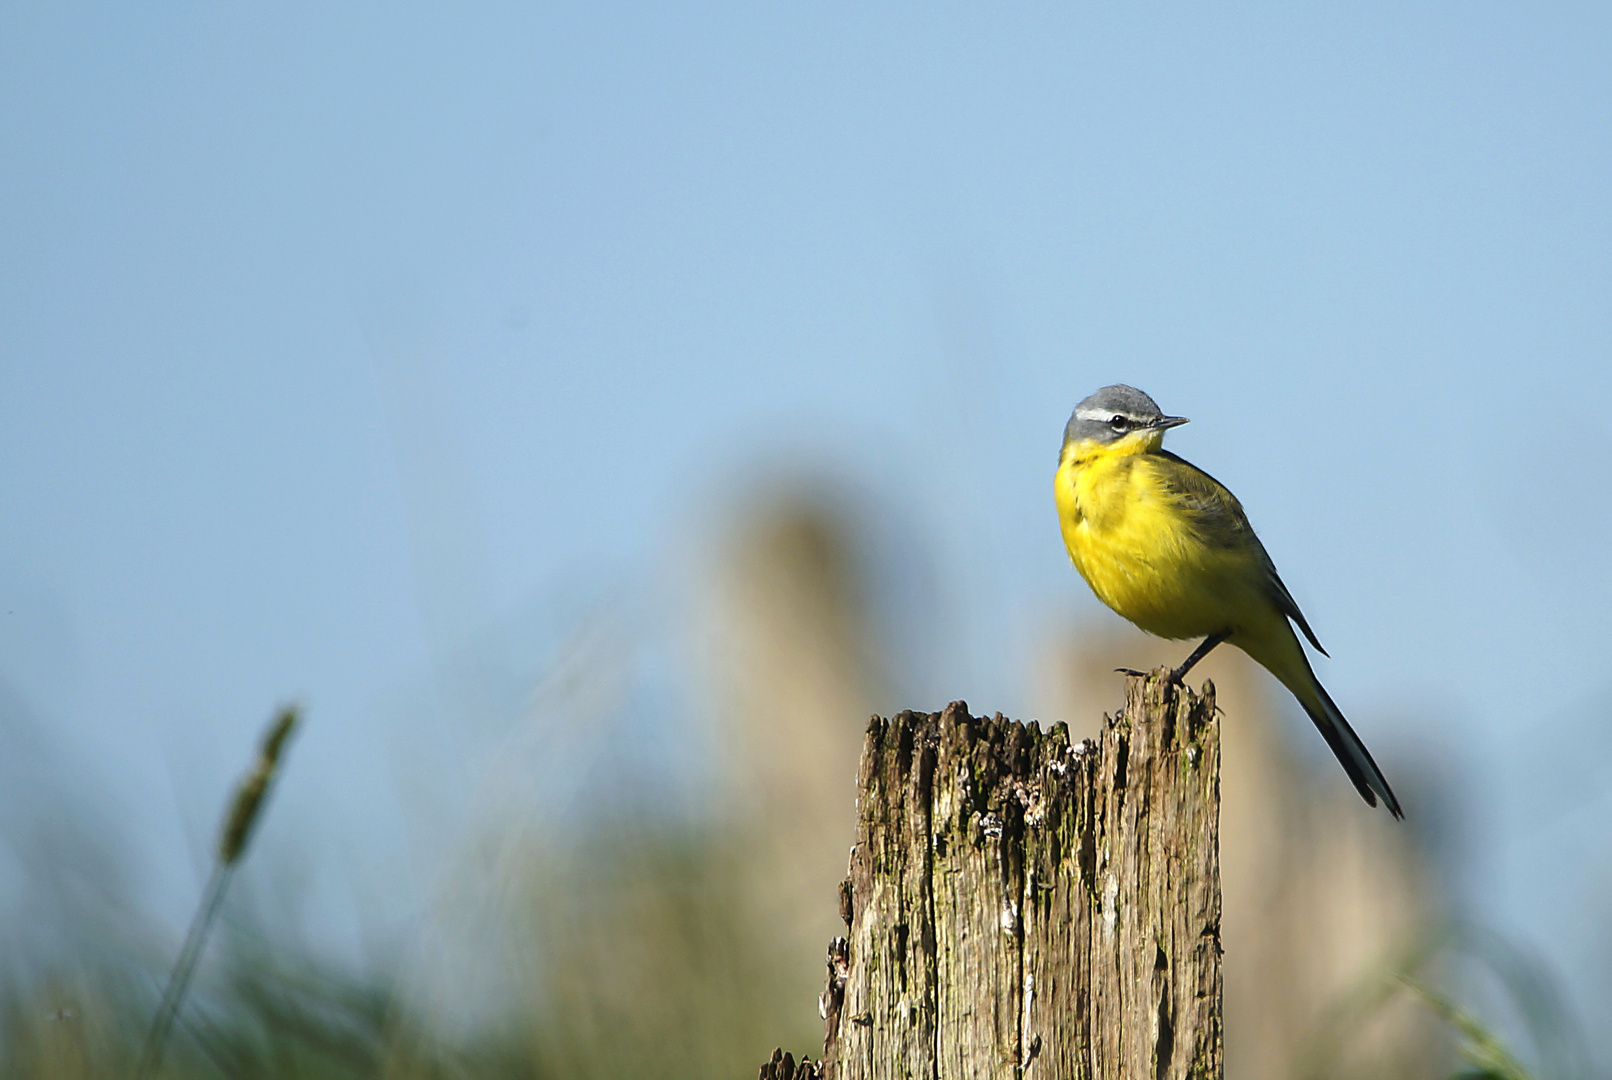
(1143, 557)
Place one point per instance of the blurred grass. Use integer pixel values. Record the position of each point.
(636, 955)
(635, 958)
(1445, 974)
(625, 934)
(241, 818)
(634, 936)
(1480, 1044)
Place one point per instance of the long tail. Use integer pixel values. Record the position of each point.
(1351, 752)
(1286, 660)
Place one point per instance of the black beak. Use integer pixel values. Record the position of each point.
(1168, 422)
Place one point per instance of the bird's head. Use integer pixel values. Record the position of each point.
(1118, 419)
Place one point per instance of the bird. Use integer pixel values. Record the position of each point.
(1168, 547)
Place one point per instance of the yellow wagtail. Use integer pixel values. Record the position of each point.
(1168, 547)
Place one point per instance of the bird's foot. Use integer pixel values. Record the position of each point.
(1173, 677)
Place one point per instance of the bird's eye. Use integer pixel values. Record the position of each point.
(1119, 423)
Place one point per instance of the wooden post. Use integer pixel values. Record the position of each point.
(1019, 907)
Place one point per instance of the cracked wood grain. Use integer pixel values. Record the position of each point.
(1022, 907)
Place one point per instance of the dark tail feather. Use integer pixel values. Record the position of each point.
(1352, 753)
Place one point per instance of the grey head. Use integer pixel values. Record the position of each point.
(1114, 412)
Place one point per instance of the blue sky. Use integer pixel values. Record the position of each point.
(328, 337)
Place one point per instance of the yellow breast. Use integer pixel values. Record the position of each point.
(1140, 553)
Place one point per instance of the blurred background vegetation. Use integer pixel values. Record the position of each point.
(668, 922)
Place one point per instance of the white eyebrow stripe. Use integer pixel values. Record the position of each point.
(1103, 416)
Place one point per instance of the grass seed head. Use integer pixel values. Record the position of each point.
(248, 800)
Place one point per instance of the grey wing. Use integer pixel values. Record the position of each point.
(1217, 513)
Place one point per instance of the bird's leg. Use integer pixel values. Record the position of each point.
(1206, 647)
(1203, 650)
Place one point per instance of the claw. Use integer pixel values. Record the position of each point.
(1173, 677)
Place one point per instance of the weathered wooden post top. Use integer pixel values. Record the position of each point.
(1020, 906)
